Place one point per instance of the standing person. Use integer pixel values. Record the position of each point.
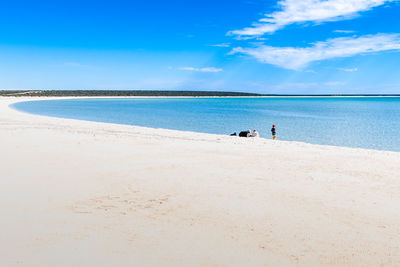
(273, 131)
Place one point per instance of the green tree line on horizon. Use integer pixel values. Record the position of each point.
(65, 93)
(154, 93)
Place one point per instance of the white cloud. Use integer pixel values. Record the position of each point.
(348, 70)
(298, 11)
(245, 38)
(298, 57)
(310, 71)
(221, 45)
(208, 69)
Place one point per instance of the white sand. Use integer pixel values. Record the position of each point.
(75, 193)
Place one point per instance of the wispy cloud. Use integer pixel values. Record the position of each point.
(208, 69)
(348, 70)
(245, 38)
(295, 11)
(310, 71)
(343, 31)
(298, 57)
(221, 45)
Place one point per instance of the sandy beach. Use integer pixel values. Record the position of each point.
(78, 193)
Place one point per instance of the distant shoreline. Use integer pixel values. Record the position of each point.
(154, 93)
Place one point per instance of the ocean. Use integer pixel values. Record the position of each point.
(361, 122)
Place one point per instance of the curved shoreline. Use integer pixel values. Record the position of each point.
(26, 99)
(128, 195)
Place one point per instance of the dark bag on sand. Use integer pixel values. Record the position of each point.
(234, 134)
(243, 134)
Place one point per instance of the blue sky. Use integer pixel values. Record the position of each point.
(262, 46)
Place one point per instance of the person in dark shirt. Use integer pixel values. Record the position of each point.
(244, 133)
(273, 131)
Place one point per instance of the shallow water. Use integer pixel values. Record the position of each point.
(366, 122)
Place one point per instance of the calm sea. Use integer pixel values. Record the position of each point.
(371, 122)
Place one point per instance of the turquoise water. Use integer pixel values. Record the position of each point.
(354, 122)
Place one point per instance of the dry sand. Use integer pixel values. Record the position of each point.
(76, 193)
